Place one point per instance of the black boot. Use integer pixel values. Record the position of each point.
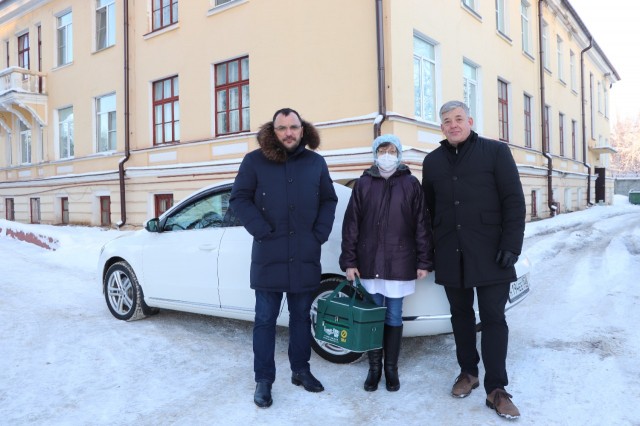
(375, 370)
(392, 338)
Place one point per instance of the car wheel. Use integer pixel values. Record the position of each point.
(123, 293)
(328, 351)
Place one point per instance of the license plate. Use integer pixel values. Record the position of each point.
(519, 288)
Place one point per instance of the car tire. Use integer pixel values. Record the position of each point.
(328, 351)
(123, 294)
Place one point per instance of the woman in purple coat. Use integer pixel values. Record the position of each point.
(387, 242)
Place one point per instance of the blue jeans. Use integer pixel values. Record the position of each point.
(264, 333)
(393, 316)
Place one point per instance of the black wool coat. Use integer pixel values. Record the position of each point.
(287, 202)
(477, 207)
(386, 232)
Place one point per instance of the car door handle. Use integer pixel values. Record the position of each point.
(208, 247)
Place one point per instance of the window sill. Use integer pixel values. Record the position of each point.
(504, 36)
(218, 9)
(162, 30)
(471, 11)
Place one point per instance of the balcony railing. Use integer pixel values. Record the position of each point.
(22, 80)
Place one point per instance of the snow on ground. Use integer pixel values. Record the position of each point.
(64, 360)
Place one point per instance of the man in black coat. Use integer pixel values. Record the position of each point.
(474, 195)
(285, 199)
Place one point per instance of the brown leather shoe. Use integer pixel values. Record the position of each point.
(500, 401)
(464, 384)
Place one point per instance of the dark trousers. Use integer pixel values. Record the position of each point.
(264, 333)
(495, 332)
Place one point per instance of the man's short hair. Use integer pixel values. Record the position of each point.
(451, 105)
(286, 112)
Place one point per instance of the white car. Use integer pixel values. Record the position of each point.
(196, 258)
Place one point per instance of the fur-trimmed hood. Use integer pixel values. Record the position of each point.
(273, 148)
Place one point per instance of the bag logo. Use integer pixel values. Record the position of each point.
(331, 332)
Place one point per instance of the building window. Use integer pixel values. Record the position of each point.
(105, 23)
(592, 108)
(232, 96)
(221, 2)
(64, 30)
(8, 50)
(64, 210)
(470, 89)
(65, 132)
(572, 69)
(560, 47)
(501, 17)
(163, 202)
(23, 51)
(35, 210)
(503, 111)
(545, 45)
(574, 129)
(25, 144)
(105, 211)
(606, 99)
(424, 79)
(547, 128)
(470, 4)
(106, 123)
(527, 121)
(164, 12)
(10, 211)
(525, 11)
(561, 133)
(599, 97)
(166, 111)
(534, 203)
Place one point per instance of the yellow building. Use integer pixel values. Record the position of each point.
(110, 111)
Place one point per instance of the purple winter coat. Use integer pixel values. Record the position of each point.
(386, 232)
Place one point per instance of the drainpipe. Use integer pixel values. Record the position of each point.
(545, 149)
(382, 102)
(123, 204)
(584, 121)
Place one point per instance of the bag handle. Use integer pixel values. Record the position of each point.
(358, 287)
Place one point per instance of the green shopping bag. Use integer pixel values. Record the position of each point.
(348, 322)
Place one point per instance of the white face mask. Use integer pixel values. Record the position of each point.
(387, 162)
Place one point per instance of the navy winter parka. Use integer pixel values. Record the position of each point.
(477, 208)
(386, 232)
(287, 202)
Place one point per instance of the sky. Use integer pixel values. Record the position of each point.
(64, 360)
(614, 26)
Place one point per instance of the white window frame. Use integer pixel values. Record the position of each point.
(68, 124)
(560, 53)
(545, 46)
(110, 116)
(502, 13)
(64, 39)
(471, 4)
(432, 63)
(599, 96)
(106, 10)
(525, 20)
(572, 70)
(25, 143)
(470, 81)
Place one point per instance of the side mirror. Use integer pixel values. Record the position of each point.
(152, 225)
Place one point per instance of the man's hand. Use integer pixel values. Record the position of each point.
(422, 273)
(506, 259)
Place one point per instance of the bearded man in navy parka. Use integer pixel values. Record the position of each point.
(285, 199)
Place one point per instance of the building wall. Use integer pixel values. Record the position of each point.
(325, 67)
